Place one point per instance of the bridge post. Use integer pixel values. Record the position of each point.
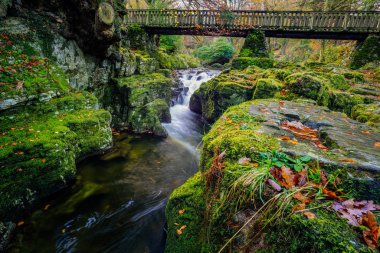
(255, 45)
(366, 52)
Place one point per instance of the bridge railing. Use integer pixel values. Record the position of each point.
(265, 20)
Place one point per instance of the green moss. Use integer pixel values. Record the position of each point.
(244, 62)
(344, 102)
(222, 92)
(353, 75)
(326, 233)
(369, 114)
(339, 82)
(266, 88)
(40, 145)
(188, 197)
(309, 85)
(176, 61)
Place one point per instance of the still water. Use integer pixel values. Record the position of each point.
(118, 201)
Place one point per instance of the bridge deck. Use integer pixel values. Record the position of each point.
(296, 24)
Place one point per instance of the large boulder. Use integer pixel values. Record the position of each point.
(366, 52)
(236, 201)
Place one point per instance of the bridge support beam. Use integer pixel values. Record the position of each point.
(255, 45)
(366, 52)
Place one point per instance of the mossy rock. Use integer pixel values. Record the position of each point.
(309, 85)
(344, 102)
(251, 130)
(216, 95)
(41, 144)
(369, 114)
(266, 88)
(339, 82)
(189, 198)
(241, 63)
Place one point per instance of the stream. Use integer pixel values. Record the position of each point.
(118, 201)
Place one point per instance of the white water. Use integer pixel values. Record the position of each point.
(186, 127)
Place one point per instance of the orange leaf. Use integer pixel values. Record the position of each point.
(299, 207)
(377, 144)
(331, 194)
(288, 176)
(371, 237)
(284, 138)
(43, 160)
(299, 196)
(309, 215)
(182, 211)
(348, 160)
(179, 232)
(20, 223)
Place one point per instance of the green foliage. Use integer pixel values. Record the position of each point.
(219, 51)
(176, 60)
(266, 88)
(171, 43)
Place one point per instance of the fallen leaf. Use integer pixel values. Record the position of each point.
(377, 144)
(182, 211)
(284, 138)
(46, 207)
(288, 176)
(176, 224)
(20, 223)
(366, 132)
(309, 215)
(274, 185)
(348, 160)
(299, 207)
(299, 196)
(244, 160)
(331, 194)
(179, 232)
(371, 237)
(43, 160)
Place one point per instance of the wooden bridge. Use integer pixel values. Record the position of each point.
(283, 24)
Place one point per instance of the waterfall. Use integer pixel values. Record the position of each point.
(186, 127)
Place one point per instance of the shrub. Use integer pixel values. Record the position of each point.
(219, 51)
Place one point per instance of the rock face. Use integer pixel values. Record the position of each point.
(247, 143)
(140, 102)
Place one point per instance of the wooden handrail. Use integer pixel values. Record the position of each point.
(298, 21)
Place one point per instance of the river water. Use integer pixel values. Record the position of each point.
(118, 201)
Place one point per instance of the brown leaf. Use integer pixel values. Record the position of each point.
(181, 211)
(371, 237)
(20, 223)
(299, 196)
(331, 194)
(324, 179)
(348, 160)
(179, 232)
(289, 177)
(299, 207)
(284, 138)
(302, 177)
(309, 215)
(377, 145)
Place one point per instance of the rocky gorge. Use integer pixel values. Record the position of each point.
(289, 160)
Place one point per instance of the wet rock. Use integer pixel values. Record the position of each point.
(199, 78)
(347, 139)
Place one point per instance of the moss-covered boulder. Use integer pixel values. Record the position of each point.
(266, 88)
(40, 145)
(232, 206)
(369, 114)
(368, 51)
(215, 96)
(140, 102)
(309, 85)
